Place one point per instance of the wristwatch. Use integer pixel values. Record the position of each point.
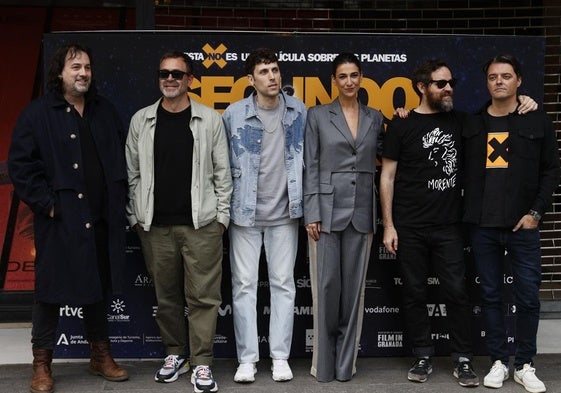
(535, 215)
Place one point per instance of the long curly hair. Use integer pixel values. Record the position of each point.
(54, 82)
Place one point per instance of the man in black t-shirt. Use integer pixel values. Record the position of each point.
(511, 172)
(420, 197)
(179, 204)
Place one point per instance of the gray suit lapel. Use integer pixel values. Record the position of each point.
(364, 122)
(338, 120)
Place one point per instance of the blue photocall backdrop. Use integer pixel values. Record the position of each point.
(125, 66)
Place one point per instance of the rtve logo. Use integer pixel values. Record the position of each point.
(215, 55)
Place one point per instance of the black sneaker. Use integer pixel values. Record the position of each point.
(173, 367)
(420, 370)
(463, 371)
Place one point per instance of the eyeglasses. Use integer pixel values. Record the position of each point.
(175, 74)
(441, 83)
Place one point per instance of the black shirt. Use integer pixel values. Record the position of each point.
(94, 178)
(496, 165)
(173, 161)
(427, 184)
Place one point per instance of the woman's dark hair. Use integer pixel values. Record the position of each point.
(54, 82)
(344, 58)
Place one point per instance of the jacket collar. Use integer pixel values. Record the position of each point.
(251, 111)
(338, 120)
(152, 110)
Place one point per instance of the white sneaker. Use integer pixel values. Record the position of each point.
(245, 373)
(497, 375)
(526, 377)
(281, 370)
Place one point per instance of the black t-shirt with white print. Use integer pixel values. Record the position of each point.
(427, 188)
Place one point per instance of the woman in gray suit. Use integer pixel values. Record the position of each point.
(341, 144)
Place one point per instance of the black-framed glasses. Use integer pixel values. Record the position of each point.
(441, 83)
(175, 74)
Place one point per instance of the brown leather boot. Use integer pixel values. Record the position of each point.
(102, 363)
(42, 381)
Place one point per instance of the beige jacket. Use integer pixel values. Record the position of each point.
(211, 185)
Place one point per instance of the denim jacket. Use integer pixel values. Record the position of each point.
(244, 131)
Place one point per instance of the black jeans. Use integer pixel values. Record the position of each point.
(442, 248)
(45, 322)
(45, 315)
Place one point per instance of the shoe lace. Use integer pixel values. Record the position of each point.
(203, 372)
(171, 361)
(497, 367)
(528, 370)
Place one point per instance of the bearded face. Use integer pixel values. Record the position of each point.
(440, 99)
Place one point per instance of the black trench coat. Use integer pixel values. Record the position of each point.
(45, 165)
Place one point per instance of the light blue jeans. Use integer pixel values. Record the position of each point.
(281, 244)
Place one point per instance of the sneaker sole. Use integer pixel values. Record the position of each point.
(244, 380)
(417, 378)
(283, 378)
(469, 384)
(197, 390)
(214, 389)
(518, 380)
(248, 379)
(174, 377)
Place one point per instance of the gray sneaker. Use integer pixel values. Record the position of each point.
(173, 367)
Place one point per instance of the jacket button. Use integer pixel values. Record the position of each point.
(80, 196)
(75, 166)
(72, 136)
(353, 182)
(88, 225)
(68, 109)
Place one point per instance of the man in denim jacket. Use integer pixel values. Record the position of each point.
(266, 135)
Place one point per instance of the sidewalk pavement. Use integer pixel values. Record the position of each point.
(375, 375)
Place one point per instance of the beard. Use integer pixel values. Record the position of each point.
(441, 103)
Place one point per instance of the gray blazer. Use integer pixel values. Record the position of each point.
(339, 172)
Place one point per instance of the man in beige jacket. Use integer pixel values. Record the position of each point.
(179, 204)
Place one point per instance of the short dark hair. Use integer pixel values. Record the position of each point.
(343, 58)
(423, 72)
(504, 58)
(54, 82)
(179, 55)
(259, 56)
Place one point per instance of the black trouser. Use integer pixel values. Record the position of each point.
(442, 248)
(45, 321)
(45, 315)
